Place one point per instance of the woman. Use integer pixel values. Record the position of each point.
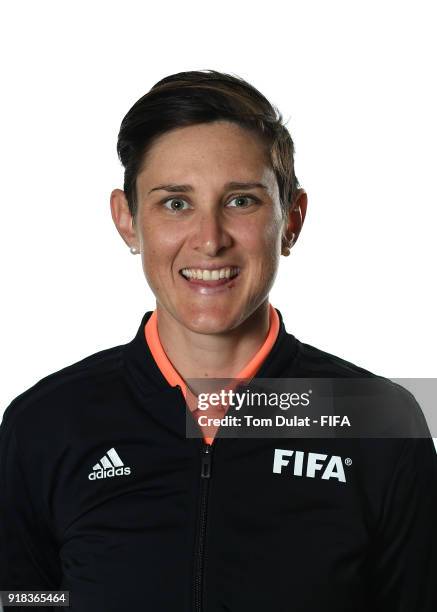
(105, 495)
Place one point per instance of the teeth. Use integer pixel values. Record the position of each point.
(210, 275)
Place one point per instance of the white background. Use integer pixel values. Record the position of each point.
(356, 83)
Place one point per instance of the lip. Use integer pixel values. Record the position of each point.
(210, 287)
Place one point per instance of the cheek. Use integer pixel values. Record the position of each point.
(263, 240)
(159, 243)
(156, 252)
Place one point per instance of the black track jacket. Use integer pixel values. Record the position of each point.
(182, 526)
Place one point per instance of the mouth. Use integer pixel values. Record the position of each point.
(210, 281)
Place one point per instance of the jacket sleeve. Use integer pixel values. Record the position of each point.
(28, 552)
(404, 564)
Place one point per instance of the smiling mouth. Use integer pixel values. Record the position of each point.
(215, 277)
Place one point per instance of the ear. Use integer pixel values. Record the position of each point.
(123, 219)
(295, 219)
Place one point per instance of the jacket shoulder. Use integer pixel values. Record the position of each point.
(66, 383)
(314, 360)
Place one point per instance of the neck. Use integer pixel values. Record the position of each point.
(196, 355)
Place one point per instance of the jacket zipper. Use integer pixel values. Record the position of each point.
(205, 475)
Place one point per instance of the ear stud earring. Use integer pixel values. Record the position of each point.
(133, 250)
(288, 244)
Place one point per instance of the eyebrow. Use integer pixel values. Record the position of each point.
(231, 185)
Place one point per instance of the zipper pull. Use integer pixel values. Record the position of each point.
(205, 470)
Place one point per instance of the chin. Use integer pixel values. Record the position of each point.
(204, 323)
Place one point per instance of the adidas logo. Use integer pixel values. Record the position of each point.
(110, 465)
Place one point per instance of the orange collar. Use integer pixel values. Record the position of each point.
(172, 375)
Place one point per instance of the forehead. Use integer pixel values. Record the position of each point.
(221, 146)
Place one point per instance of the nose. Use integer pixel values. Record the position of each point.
(210, 235)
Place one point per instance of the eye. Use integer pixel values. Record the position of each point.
(243, 197)
(175, 204)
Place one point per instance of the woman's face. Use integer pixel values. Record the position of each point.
(191, 216)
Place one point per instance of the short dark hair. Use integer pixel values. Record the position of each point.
(203, 96)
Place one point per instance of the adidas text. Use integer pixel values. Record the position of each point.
(109, 473)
